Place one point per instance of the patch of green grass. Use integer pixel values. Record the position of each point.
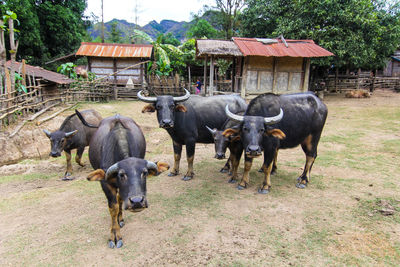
(368, 211)
(391, 146)
(27, 177)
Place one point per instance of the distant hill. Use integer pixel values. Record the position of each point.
(153, 28)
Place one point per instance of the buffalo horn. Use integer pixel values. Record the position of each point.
(70, 133)
(47, 133)
(151, 166)
(233, 116)
(211, 130)
(182, 98)
(275, 119)
(112, 170)
(145, 98)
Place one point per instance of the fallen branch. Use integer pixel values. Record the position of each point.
(42, 111)
(18, 128)
(54, 115)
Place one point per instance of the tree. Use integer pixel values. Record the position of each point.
(168, 39)
(114, 35)
(361, 33)
(229, 11)
(200, 29)
(49, 28)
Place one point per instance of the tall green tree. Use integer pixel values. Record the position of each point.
(48, 28)
(361, 33)
(114, 36)
(200, 29)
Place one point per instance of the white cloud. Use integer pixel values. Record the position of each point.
(149, 10)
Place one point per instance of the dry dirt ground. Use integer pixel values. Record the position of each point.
(336, 221)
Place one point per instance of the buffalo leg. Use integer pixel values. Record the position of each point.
(267, 168)
(115, 239)
(309, 147)
(227, 165)
(121, 221)
(247, 167)
(236, 154)
(274, 166)
(177, 158)
(68, 172)
(78, 157)
(190, 149)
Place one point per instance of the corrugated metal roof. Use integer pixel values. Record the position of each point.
(39, 72)
(115, 50)
(216, 47)
(296, 48)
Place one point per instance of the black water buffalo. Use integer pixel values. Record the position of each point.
(233, 143)
(116, 151)
(185, 120)
(72, 134)
(274, 122)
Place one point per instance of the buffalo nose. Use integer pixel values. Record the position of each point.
(166, 121)
(253, 149)
(54, 154)
(137, 202)
(220, 155)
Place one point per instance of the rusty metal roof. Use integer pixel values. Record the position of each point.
(277, 48)
(115, 50)
(39, 72)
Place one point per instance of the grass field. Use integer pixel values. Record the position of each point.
(335, 221)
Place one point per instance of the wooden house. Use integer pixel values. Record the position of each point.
(392, 68)
(117, 63)
(267, 65)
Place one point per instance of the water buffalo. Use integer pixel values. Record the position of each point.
(73, 134)
(116, 152)
(273, 122)
(185, 120)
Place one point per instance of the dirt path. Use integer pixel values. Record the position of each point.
(207, 221)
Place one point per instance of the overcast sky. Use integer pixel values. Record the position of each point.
(178, 10)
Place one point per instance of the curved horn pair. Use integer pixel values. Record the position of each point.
(154, 99)
(267, 120)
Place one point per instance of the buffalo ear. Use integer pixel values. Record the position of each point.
(234, 138)
(96, 175)
(180, 108)
(228, 132)
(276, 133)
(149, 108)
(161, 167)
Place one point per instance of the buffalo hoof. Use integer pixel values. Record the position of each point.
(232, 181)
(301, 186)
(224, 170)
(67, 178)
(121, 223)
(263, 191)
(273, 172)
(261, 170)
(120, 243)
(240, 187)
(187, 178)
(111, 244)
(172, 174)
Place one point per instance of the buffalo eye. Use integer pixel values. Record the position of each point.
(261, 130)
(144, 174)
(171, 106)
(122, 176)
(245, 129)
(158, 107)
